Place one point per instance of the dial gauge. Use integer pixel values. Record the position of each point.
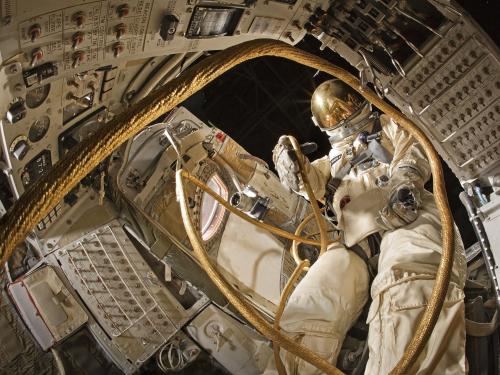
(37, 96)
(38, 129)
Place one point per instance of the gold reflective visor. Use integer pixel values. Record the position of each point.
(330, 104)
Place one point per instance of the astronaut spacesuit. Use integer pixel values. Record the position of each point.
(373, 181)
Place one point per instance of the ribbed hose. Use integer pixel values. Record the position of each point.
(234, 297)
(298, 231)
(43, 195)
(310, 196)
(302, 266)
(277, 231)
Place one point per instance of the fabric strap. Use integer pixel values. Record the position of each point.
(478, 329)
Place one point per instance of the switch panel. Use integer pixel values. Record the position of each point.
(121, 290)
(454, 93)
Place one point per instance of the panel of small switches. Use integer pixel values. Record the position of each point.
(120, 289)
(455, 92)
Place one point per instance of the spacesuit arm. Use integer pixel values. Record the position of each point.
(318, 172)
(409, 170)
(409, 161)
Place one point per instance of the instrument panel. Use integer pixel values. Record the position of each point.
(132, 306)
(80, 36)
(69, 62)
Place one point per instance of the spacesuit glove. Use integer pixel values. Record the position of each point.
(285, 162)
(405, 200)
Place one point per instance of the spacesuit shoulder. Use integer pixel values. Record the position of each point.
(388, 124)
(322, 165)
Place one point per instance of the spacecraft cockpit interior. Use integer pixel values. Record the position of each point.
(138, 236)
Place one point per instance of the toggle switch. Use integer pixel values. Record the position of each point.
(73, 83)
(84, 102)
(79, 19)
(36, 56)
(118, 48)
(296, 24)
(123, 10)
(77, 39)
(20, 149)
(120, 30)
(16, 112)
(34, 32)
(78, 57)
(290, 37)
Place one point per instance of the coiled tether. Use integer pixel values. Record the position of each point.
(44, 194)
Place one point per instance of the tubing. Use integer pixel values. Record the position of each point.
(295, 244)
(191, 58)
(43, 195)
(302, 266)
(151, 83)
(278, 231)
(310, 196)
(248, 312)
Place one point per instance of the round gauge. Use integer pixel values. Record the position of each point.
(38, 129)
(37, 96)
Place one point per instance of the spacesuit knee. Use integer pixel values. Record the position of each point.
(416, 248)
(408, 262)
(324, 306)
(393, 319)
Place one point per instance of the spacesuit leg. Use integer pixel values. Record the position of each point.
(407, 265)
(323, 307)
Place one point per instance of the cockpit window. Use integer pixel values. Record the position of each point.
(212, 212)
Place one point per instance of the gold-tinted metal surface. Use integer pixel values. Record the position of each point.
(44, 194)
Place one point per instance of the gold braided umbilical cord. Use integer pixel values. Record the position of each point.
(44, 194)
(272, 333)
(244, 308)
(310, 196)
(301, 267)
(295, 245)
